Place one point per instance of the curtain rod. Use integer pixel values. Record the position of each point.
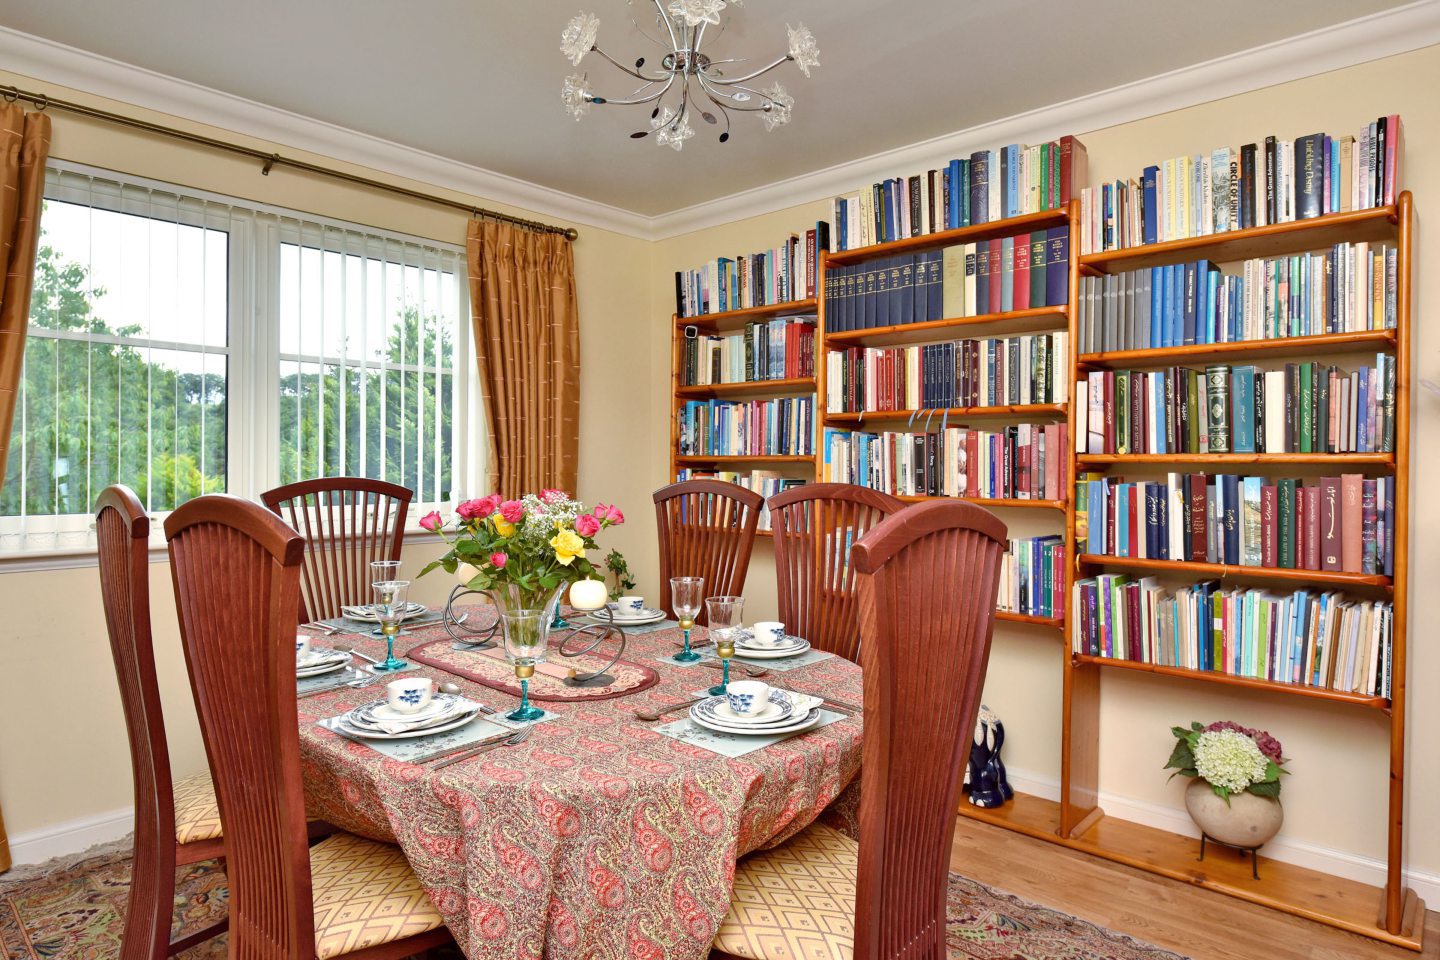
(271, 160)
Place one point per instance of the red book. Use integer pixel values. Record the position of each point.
(1199, 517)
(1021, 299)
(1302, 535)
(810, 264)
(972, 463)
(1351, 485)
(1055, 454)
(1135, 515)
(1074, 170)
(1330, 532)
(1132, 621)
(996, 275)
(1311, 496)
(1269, 526)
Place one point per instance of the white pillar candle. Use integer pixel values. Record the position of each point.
(464, 573)
(588, 594)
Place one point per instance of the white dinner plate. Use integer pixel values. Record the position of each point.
(366, 614)
(354, 731)
(320, 669)
(778, 710)
(804, 723)
(772, 653)
(654, 617)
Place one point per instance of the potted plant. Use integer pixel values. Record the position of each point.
(1234, 796)
(620, 570)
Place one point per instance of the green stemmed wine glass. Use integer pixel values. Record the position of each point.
(525, 636)
(390, 603)
(686, 593)
(723, 614)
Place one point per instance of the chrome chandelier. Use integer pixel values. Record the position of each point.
(686, 81)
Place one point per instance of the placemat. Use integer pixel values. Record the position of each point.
(779, 666)
(418, 748)
(630, 677)
(736, 744)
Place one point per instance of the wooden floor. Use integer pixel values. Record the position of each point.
(1167, 913)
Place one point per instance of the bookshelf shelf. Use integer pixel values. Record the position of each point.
(748, 388)
(980, 231)
(1286, 346)
(1015, 321)
(1008, 410)
(738, 318)
(1006, 502)
(1272, 240)
(705, 459)
(1010, 616)
(1211, 676)
(1338, 460)
(1222, 570)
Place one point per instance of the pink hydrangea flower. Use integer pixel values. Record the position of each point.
(498, 560)
(1268, 745)
(513, 511)
(431, 521)
(586, 525)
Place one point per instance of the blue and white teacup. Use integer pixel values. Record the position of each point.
(746, 698)
(410, 694)
(769, 633)
(302, 646)
(630, 606)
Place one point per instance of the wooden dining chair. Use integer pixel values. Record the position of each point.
(707, 529)
(175, 823)
(236, 569)
(815, 526)
(927, 599)
(347, 522)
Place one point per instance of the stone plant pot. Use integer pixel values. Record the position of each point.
(1246, 821)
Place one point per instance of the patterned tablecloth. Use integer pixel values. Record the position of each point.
(597, 837)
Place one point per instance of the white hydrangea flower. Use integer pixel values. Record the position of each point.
(780, 103)
(579, 36)
(696, 12)
(1229, 759)
(803, 48)
(576, 94)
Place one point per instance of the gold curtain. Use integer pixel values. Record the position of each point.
(24, 145)
(527, 346)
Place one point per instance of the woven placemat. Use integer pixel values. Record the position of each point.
(484, 667)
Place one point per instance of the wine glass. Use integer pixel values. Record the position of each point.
(686, 593)
(383, 571)
(390, 603)
(525, 635)
(723, 614)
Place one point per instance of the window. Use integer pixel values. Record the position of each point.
(186, 344)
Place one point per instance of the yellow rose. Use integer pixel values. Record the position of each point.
(568, 545)
(503, 527)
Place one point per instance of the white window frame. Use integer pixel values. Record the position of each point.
(256, 232)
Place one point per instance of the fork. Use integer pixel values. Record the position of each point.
(519, 736)
(324, 628)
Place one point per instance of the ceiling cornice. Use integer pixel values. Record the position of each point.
(1383, 34)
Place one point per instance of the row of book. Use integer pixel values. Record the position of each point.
(767, 483)
(1320, 639)
(996, 371)
(1350, 288)
(963, 280)
(1302, 408)
(1024, 461)
(757, 428)
(987, 186)
(779, 349)
(1277, 181)
(779, 275)
(1344, 523)
(1032, 577)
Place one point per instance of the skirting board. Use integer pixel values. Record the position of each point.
(1289, 850)
(76, 836)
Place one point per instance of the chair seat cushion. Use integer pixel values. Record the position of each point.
(795, 902)
(197, 815)
(365, 895)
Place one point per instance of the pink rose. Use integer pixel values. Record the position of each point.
(498, 560)
(586, 525)
(431, 521)
(611, 513)
(488, 504)
(513, 511)
(552, 495)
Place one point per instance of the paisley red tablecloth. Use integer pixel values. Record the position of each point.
(597, 837)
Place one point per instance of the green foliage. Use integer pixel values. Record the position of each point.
(620, 570)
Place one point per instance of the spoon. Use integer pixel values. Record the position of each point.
(350, 649)
(454, 689)
(648, 715)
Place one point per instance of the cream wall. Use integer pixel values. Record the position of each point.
(75, 767)
(1335, 797)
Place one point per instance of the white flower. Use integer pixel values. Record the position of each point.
(695, 12)
(576, 94)
(579, 36)
(1229, 759)
(672, 132)
(803, 49)
(780, 103)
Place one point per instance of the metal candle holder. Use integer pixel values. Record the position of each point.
(607, 627)
(478, 639)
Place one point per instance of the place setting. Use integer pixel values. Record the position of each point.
(416, 722)
(749, 716)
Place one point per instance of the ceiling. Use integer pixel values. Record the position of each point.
(478, 81)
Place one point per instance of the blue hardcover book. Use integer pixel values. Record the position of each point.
(1177, 305)
(867, 314)
(1012, 182)
(964, 187)
(1007, 274)
(1057, 266)
(890, 232)
(982, 277)
(1362, 413)
(881, 296)
(1162, 519)
(1230, 484)
(980, 187)
(1212, 305)
(1097, 516)
(957, 185)
(1242, 409)
(937, 285)
(1191, 306)
(903, 309)
(1388, 498)
(1157, 308)
(1150, 175)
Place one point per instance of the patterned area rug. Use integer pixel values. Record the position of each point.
(73, 909)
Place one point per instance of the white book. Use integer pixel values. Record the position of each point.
(1207, 197)
(927, 222)
(1095, 434)
(1275, 411)
(995, 210)
(1060, 364)
(1176, 493)
(970, 307)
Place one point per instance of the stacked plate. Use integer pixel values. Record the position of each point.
(629, 618)
(785, 713)
(745, 646)
(377, 720)
(316, 662)
(366, 613)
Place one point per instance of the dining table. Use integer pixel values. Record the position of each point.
(600, 834)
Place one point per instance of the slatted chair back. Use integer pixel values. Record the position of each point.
(236, 569)
(927, 598)
(707, 529)
(815, 526)
(347, 523)
(122, 532)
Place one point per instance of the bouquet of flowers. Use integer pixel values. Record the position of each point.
(1230, 758)
(522, 551)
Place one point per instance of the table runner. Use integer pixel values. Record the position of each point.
(598, 837)
(630, 677)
